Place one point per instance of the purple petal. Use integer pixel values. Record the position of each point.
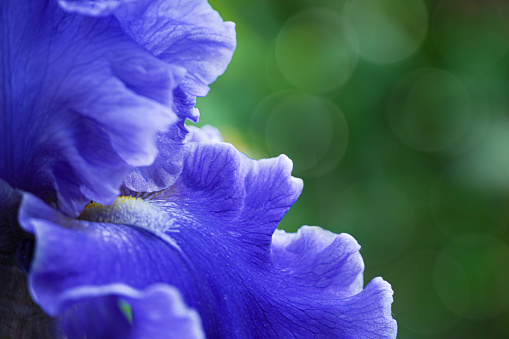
(186, 33)
(320, 259)
(206, 133)
(156, 312)
(90, 7)
(82, 104)
(189, 34)
(369, 312)
(72, 253)
(328, 268)
(211, 236)
(166, 167)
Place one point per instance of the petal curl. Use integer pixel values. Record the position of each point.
(243, 282)
(100, 312)
(319, 259)
(189, 34)
(81, 104)
(328, 268)
(166, 167)
(206, 133)
(186, 33)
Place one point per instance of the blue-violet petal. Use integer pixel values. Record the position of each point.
(81, 103)
(211, 235)
(118, 311)
(187, 33)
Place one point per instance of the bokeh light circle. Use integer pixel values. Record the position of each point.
(432, 110)
(388, 31)
(485, 167)
(316, 50)
(306, 127)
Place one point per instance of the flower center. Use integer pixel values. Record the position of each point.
(127, 210)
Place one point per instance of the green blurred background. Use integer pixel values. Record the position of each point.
(396, 115)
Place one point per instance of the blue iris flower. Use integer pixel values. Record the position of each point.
(88, 85)
(143, 230)
(212, 236)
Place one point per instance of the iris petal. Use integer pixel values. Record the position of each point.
(319, 259)
(119, 311)
(91, 83)
(185, 33)
(244, 281)
(76, 113)
(327, 269)
(90, 7)
(189, 34)
(206, 133)
(166, 167)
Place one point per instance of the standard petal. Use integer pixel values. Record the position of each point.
(166, 167)
(81, 104)
(168, 164)
(206, 133)
(186, 33)
(215, 245)
(119, 311)
(189, 33)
